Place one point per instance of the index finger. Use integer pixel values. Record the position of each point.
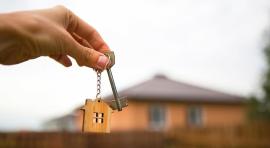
(81, 28)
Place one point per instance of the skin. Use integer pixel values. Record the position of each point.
(56, 32)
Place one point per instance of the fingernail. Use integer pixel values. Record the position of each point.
(102, 62)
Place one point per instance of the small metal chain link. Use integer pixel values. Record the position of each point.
(98, 96)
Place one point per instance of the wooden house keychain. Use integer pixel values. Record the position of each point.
(97, 113)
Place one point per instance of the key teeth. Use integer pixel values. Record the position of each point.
(123, 101)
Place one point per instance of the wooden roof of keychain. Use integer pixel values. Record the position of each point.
(97, 113)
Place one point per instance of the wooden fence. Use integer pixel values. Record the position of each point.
(242, 137)
(248, 136)
(79, 140)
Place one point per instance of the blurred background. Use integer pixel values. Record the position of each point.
(183, 64)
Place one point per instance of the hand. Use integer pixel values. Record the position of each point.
(55, 32)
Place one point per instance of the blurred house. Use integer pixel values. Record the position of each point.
(163, 104)
(63, 123)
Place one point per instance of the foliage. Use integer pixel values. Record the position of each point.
(259, 107)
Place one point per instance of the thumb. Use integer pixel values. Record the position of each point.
(89, 57)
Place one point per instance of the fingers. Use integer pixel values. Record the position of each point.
(81, 40)
(62, 59)
(86, 47)
(81, 28)
(84, 54)
(103, 60)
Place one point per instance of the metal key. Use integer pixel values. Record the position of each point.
(110, 55)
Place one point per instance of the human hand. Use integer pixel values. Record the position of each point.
(54, 32)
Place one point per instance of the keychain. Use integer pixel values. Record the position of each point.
(97, 113)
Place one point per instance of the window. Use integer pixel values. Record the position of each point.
(98, 117)
(157, 117)
(194, 115)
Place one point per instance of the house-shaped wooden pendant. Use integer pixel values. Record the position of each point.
(96, 116)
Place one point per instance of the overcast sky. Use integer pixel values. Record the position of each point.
(210, 43)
